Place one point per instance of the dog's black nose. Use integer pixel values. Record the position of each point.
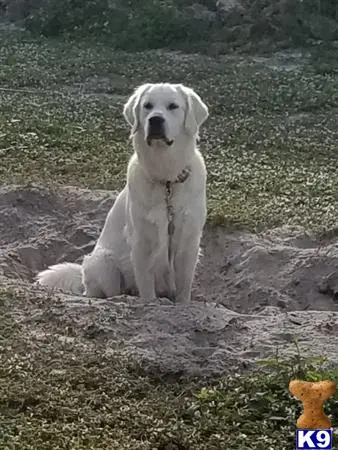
(156, 124)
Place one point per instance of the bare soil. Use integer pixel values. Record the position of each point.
(254, 294)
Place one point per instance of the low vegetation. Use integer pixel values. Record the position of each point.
(270, 142)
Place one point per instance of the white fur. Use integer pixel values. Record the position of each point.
(132, 250)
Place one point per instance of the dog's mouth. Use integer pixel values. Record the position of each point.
(159, 138)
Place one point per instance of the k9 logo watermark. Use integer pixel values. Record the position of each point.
(313, 439)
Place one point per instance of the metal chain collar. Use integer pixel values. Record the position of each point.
(181, 178)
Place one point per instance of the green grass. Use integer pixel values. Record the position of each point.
(59, 394)
(271, 151)
(269, 144)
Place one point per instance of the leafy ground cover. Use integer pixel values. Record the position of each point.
(270, 143)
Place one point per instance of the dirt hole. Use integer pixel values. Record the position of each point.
(255, 292)
(284, 268)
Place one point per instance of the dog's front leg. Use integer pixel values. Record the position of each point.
(145, 216)
(184, 266)
(141, 257)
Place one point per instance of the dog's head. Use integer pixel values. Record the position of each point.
(162, 112)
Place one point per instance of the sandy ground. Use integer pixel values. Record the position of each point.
(253, 294)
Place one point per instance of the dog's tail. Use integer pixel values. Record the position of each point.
(65, 276)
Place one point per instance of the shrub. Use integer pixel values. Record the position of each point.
(194, 24)
(134, 25)
(72, 17)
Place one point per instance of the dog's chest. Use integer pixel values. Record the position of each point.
(168, 205)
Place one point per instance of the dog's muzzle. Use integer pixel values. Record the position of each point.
(156, 130)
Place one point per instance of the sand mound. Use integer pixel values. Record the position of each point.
(252, 294)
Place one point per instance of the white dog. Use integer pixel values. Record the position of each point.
(151, 237)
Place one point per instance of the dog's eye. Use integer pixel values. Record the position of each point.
(172, 106)
(148, 105)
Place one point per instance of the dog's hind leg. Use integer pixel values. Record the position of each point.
(108, 286)
(101, 276)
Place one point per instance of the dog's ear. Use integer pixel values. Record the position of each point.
(197, 111)
(131, 110)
